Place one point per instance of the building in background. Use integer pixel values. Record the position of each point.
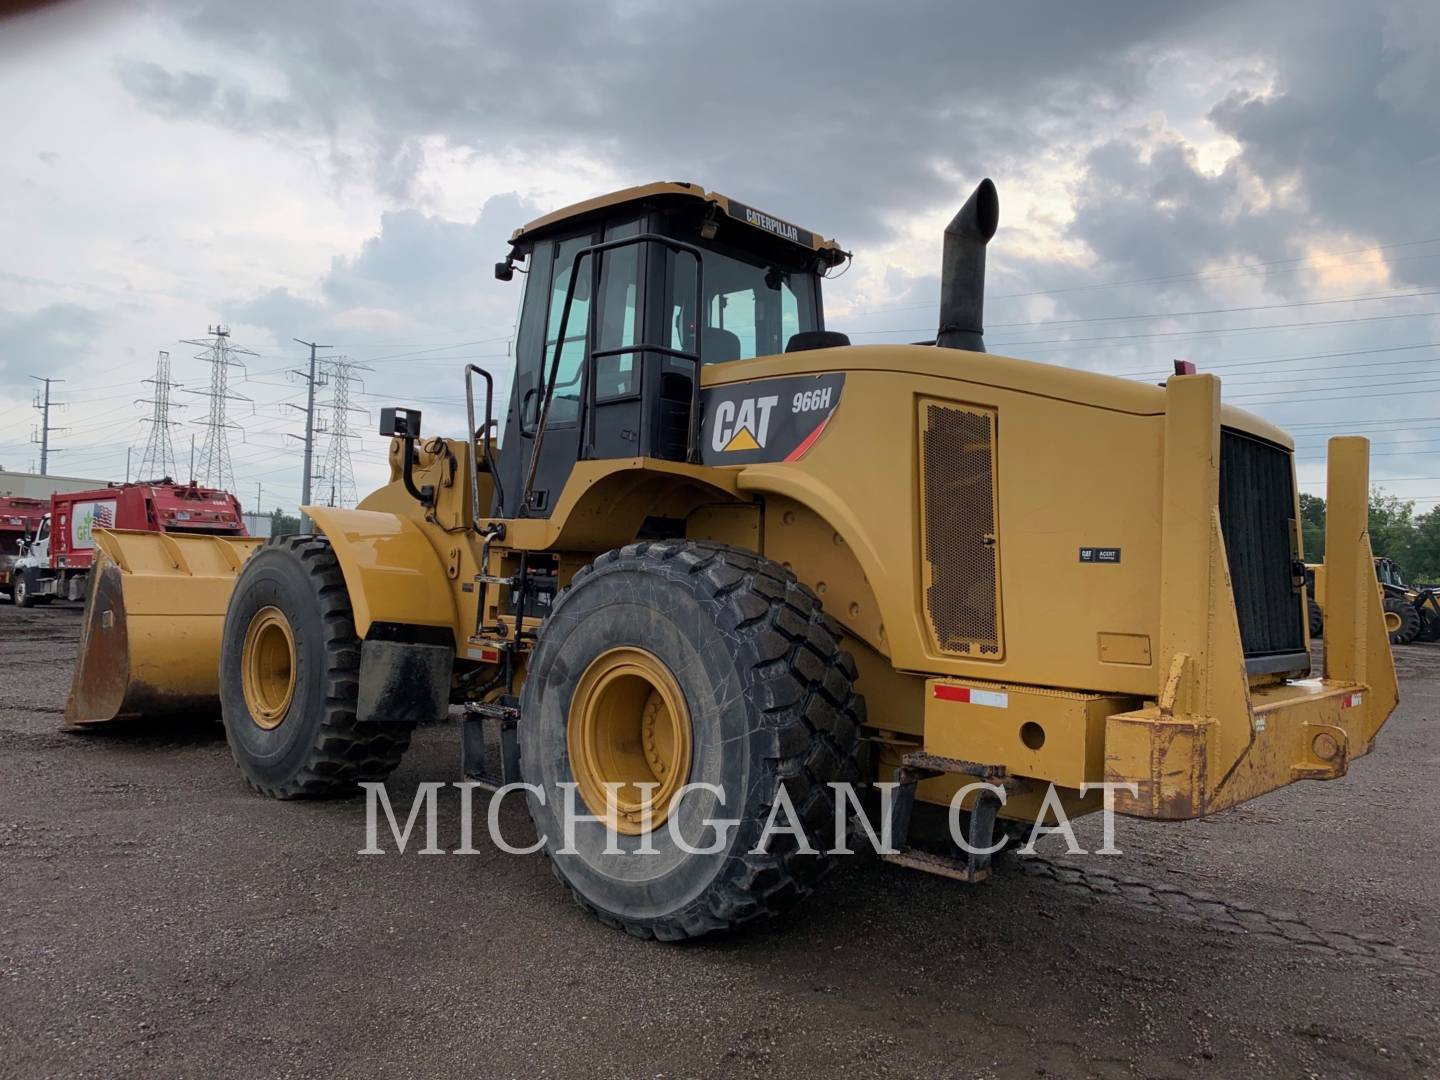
(257, 524)
(35, 486)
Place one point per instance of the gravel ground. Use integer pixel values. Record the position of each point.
(157, 919)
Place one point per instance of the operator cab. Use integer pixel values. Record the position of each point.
(607, 355)
(38, 547)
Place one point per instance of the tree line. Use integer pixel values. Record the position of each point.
(1396, 531)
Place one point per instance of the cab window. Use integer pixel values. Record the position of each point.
(544, 305)
(751, 309)
(565, 405)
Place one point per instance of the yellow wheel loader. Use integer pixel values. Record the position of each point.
(716, 562)
(1410, 614)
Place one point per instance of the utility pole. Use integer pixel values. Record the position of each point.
(192, 458)
(128, 450)
(310, 384)
(42, 405)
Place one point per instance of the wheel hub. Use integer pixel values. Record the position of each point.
(628, 727)
(267, 667)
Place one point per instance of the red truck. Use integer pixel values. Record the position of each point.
(19, 520)
(56, 563)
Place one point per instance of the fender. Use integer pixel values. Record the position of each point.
(809, 491)
(393, 573)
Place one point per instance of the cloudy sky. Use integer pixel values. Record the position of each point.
(1248, 185)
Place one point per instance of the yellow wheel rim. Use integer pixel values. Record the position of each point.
(629, 726)
(267, 666)
(1393, 622)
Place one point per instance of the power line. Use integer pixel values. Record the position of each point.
(1174, 333)
(1250, 361)
(1359, 299)
(1242, 270)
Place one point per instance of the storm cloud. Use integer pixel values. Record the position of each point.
(1247, 185)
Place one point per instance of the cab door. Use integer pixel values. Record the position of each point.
(610, 303)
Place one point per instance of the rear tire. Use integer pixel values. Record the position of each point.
(1317, 620)
(1409, 620)
(1431, 631)
(290, 719)
(769, 704)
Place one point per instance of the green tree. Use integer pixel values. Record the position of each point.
(1392, 527)
(283, 524)
(1312, 526)
(1424, 553)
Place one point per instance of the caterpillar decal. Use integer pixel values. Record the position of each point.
(768, 419)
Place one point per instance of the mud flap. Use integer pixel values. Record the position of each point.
(404, 682)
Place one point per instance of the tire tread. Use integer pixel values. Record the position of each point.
(801, 683)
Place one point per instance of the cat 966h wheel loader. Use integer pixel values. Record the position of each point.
(716, 550)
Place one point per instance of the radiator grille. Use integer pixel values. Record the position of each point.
(1257, 518)
(961, 554)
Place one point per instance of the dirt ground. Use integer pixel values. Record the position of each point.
(158, 919)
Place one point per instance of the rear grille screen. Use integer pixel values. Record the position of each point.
(1257, 518)
(961, 555)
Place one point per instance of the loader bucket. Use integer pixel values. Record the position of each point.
(150, 644)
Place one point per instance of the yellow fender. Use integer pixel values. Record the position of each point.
(393, 573)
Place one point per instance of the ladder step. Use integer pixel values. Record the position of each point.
(942, 865)
(489, 743)
(970, 867)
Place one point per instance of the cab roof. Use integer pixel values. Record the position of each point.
(828, 250)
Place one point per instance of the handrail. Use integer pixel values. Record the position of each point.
(692, 439)
(475, 514)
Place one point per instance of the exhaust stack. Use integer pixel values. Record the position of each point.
(962, 272)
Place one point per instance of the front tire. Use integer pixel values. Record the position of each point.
(22, 589)
(289, 678)
(1409, 620)
(742, 683)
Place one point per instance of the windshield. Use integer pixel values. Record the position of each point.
(751, 309)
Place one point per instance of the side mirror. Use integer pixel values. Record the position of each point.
(504, 271)
(401, 423)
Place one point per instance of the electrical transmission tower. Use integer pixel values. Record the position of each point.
(337, 470)
(159, 458)
(220, 352)
(43, 405)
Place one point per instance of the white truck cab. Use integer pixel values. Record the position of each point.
(33, 582)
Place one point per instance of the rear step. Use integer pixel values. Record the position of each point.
(489, 747)
(974, 866)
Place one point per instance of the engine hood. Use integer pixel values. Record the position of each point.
(1086, 388)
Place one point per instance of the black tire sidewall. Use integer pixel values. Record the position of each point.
(274, 578)
(665, 615)
(1410, 623)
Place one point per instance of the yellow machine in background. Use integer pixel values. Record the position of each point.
(714, 543)
(1410, 614)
